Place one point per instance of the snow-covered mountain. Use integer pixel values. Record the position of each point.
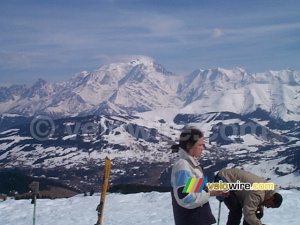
(241, 92)
(133, 112)
(143, 85)
(74, 149)
(120, 88)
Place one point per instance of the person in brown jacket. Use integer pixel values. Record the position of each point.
(247, 202)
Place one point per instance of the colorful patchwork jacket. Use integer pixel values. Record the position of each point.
(189, 208)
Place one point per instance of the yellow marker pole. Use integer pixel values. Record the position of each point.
(100, 207)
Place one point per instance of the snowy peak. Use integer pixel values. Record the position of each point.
(78, 78)
(241, 92)
(120, 73)
(144, 87)
(136, 86)
(288, 77)
(219, 76)
(201, 84)
(41, 89)
(12, 93)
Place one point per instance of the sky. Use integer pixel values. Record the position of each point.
(54, 40)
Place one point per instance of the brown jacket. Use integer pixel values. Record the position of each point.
(249, 199)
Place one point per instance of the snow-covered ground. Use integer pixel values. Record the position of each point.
(142, 208)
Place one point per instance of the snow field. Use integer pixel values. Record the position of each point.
(140, 209)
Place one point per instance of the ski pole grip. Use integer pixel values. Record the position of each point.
(34, 186)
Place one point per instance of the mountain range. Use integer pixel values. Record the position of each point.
(133, 112)
(143, 85)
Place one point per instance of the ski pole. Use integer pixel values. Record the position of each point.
(34, 186)
(34, 210)
(219, 213)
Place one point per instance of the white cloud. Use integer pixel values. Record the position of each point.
(217, 32)
(14, 58)
(106, 59)
(162, 25)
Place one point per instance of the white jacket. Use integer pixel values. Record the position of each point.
(187, 167)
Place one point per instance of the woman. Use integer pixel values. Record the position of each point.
(190, 208)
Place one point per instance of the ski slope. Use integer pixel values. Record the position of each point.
(140, 209)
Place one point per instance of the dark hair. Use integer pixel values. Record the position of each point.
(277, 200)
(188, 136)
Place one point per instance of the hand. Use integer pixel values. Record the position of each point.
(225, 194)
(260, 208)
(215, 193)
(218, 193)
(259, 212)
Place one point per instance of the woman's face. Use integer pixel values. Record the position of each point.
(196, 149)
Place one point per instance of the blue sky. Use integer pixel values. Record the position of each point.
(54, 40)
